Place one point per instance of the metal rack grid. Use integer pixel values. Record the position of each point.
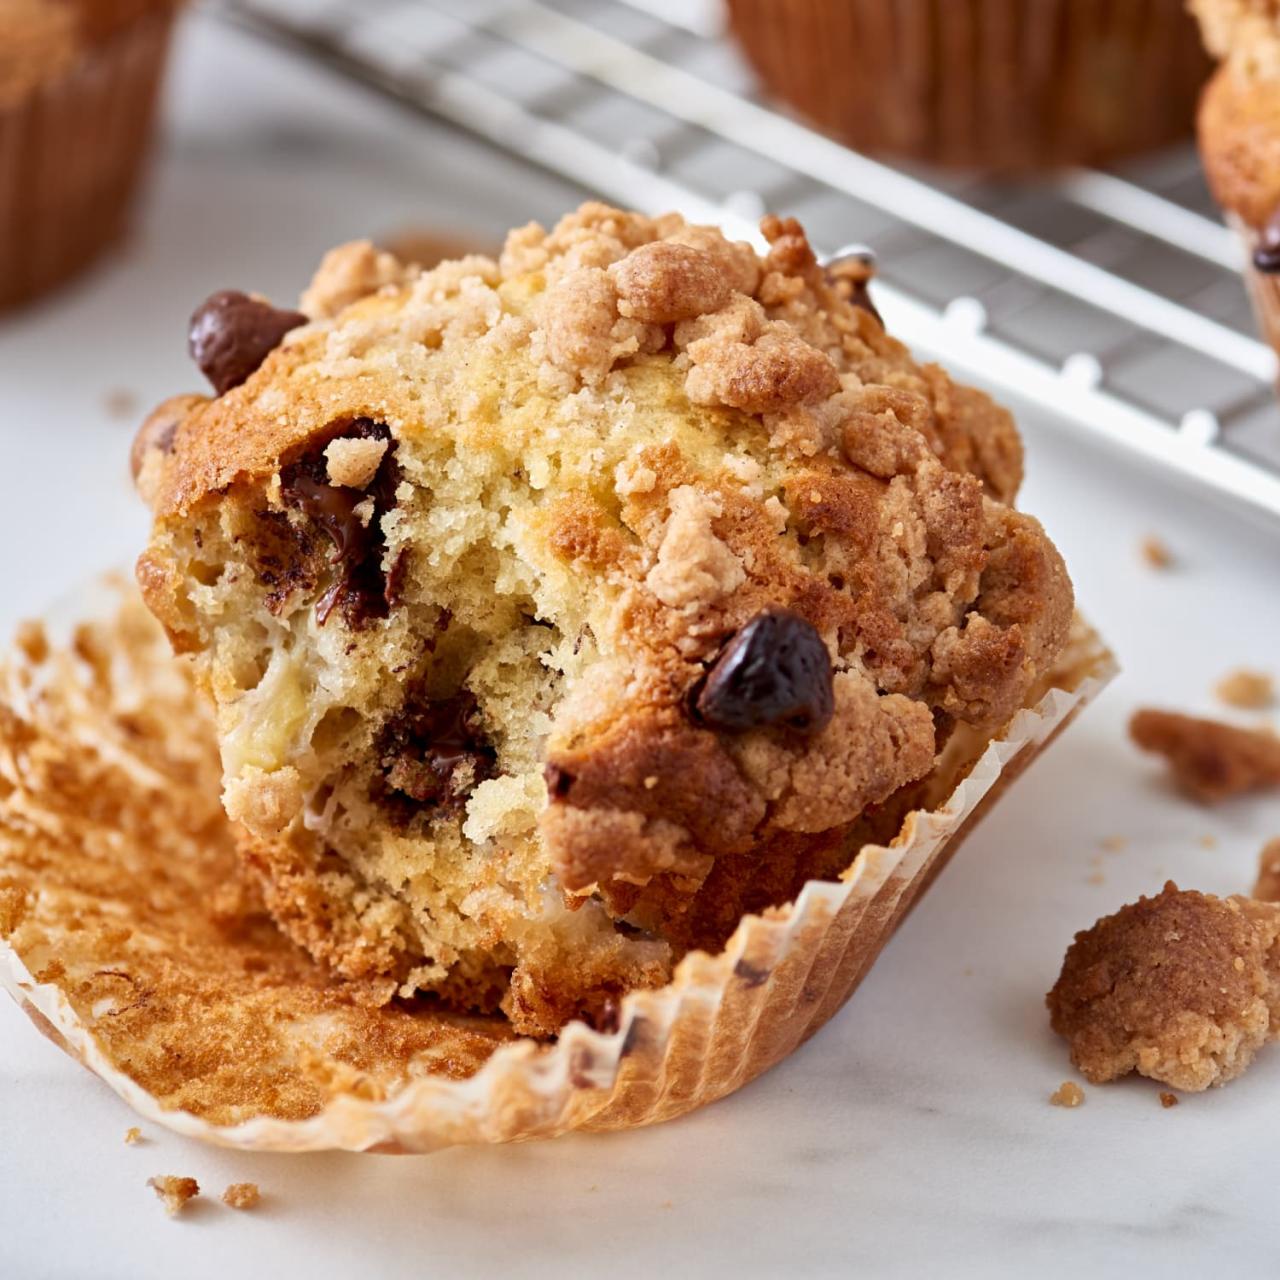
(1111, 299)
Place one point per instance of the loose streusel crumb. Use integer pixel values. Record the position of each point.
(1267, 887)
(1067, 1094)
(1208, 842)
(1156, 553)
(1168, 1099)
(242, 1195)
(1209, 760)
(132, 1136)
(174, 1192)
(1246, 689)
(1183, 988)
(120, 402)
(1114, 844)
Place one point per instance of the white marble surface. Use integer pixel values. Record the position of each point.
(914, 1136)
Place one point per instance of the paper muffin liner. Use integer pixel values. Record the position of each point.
(71, 156)
(987, 84)
(1263, 286)
(126, 936)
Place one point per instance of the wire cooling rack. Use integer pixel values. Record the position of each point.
(1112, 299)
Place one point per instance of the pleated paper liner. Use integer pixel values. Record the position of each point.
(72, 153)
(996, 85)
(130, 940)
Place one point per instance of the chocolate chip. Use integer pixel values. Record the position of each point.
(775, 671)
(361, 588)
(558, 781)
(432, 752)
(749, 974)
(231, 334)
(1266, 253)
(850, 272)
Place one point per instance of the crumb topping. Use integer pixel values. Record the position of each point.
(174, 1192)
(1067, 1094)
(1183, 988)
(1248, 690)
(242, 1195)
(1209, 760)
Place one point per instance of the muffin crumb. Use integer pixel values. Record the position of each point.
(1067, 1094)
(1168, 1099)
(1267, 886)
(132, 1136)
(1208, 841)
(120, 402)
(174, 1191)
(1183, 988)
(1245, 689)
(242, 1195)
(1209, 760)
(1156, 553)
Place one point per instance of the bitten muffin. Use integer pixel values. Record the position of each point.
(1239, 134)
(79, 81)
(1000, 85)
(558, 610)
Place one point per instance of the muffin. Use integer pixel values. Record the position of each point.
(997, 85)
(559, 610)
(1239, 132)
(79, 80)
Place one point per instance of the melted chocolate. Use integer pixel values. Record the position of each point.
(1266, 253)
(361, 589)
(432, 752)
(854, 270)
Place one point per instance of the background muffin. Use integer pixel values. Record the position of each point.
(994, 85)
(79, 81)
(1239, 131)
(560, 610)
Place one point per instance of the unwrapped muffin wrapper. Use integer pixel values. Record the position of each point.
(986, 84)
(122, 936)
(71, 156)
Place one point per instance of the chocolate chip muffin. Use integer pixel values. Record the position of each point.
(557, 610)
(1239, 134)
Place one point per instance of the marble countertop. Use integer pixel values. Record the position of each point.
(914, 1135)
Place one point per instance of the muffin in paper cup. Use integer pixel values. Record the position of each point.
(603, 645)
(1238, 128)
(129, 937)
(79, 83)
(997, 85)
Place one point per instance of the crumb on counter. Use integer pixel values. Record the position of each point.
(1267, 887)
(120, 402)
(1155, 552)
(1168, 1099)
(1067, 1094)
(132, 1136)
(1209, 760)
(242, 1195)
(1208, 841)
(1248, 690)
(1183, 988)
(1114, 844)
(174, 1192)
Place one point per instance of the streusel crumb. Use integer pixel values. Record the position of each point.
(1209, 760)
(1168, 1100)
(1245, 689)
(1267, 886)
(1156, 553)
(242, 1195)
(1067, 1094)
(1183, 988)
(132, 1136)
(174, 1191)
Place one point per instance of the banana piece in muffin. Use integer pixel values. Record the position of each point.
(557, 610)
